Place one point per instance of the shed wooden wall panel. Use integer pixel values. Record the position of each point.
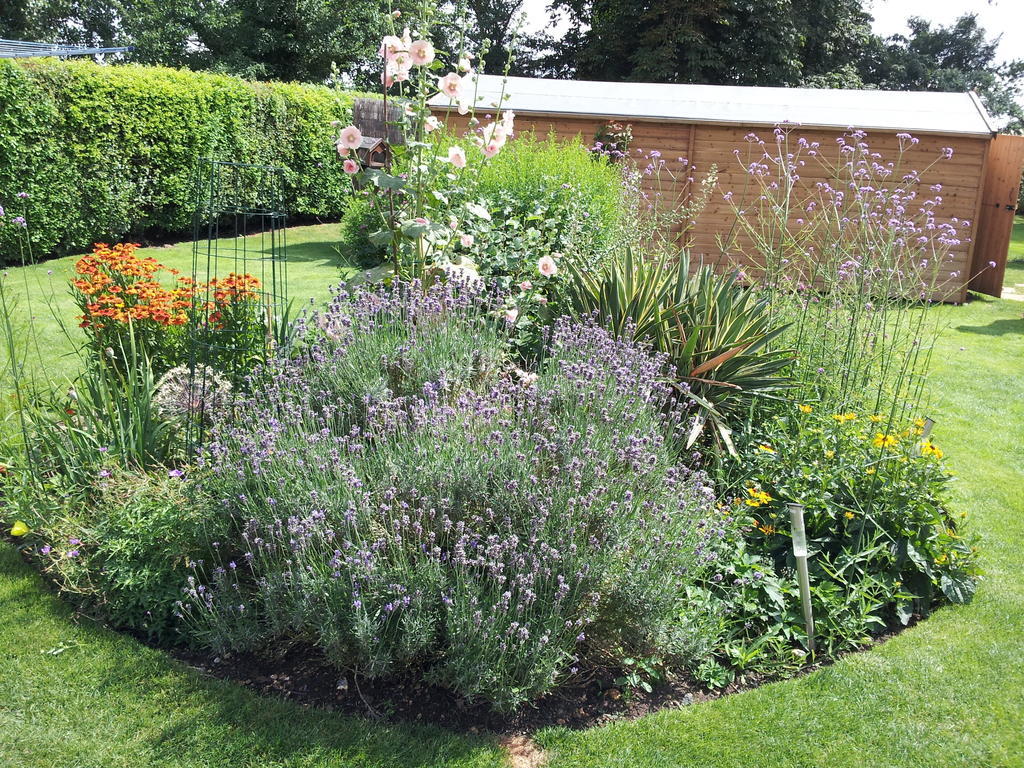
(704, 146)
(1000, 189)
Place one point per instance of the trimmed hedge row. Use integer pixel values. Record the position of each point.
(107, 153)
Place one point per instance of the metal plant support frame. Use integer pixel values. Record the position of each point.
(239, 229)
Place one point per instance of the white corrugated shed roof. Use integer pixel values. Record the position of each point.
(912, 111)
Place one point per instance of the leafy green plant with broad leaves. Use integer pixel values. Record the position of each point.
(717, 333)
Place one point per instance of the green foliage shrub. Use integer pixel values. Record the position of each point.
(121, 547)
(110, 152)
(358, 222)
(884, 547)
(545, 197)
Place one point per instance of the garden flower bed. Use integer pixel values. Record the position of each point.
(537, 466)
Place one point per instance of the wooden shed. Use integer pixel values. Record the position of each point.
(702, 125)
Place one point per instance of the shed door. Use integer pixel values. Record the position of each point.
(998, 203)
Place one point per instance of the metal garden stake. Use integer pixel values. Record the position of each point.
(796, 522)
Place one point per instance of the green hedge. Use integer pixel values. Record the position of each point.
(109, 152)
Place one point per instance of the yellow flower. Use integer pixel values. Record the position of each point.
(885, 441)
(918, 422)
(19, 528)
(757, 498)
(766, 449)
(928, 448)
(805, 408)
(848, 514)
(844, 417)
(767, 530)
(876, 418)
(870, 471)
(829, 454)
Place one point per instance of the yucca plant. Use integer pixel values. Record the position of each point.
(717, 333)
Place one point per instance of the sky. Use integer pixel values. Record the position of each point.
(998, 16)
(1005, 16)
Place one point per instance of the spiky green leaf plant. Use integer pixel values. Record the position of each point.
(717, 333)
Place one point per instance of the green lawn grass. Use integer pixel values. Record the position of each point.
(947, 692)
(314, 264)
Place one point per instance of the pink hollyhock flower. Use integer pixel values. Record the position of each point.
(351, 166)
(511, 315)
(390, 46)
(466, 240)
(398, 68)
(450, 85)
(491, 148)
(422, 53)
(464, 64)
(546, 266)
(494, 132)
(350, 137)
(421, 220)
(526, 378)
(342, 150)
(526, 285)
(431, 124)
(457, 157)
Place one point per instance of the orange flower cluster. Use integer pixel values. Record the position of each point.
(117, 286)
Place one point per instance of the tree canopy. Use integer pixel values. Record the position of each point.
(958, 57)
(819, 43)
(268, 39)
(816, 43)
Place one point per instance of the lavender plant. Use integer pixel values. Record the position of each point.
(377, 344)
(497, 534)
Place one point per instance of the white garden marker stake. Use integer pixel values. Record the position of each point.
(796, 523)
(927, 429)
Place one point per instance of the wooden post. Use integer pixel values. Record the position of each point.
(374, 117)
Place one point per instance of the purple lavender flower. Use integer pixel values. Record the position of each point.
(408, 507)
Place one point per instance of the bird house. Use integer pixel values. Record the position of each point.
(374, 152)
